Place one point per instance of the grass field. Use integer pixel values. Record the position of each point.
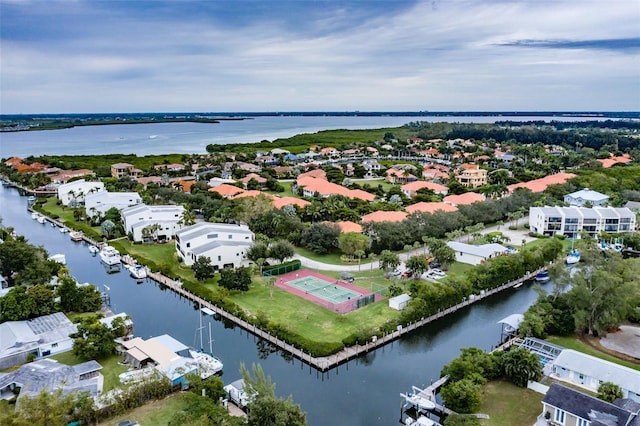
(571, 342)
(508, 405)
(110, 368)
(155, 413)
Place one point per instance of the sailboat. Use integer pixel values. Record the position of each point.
(574, 255)
(208, 365)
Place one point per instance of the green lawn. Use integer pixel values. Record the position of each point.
(155, 413)
(308, 319)
(331, 258)
(508, 405)
(572, 342)
(110, 368)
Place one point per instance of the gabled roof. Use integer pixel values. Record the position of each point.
(348, 226)
(280, 202)
(600, 369)
(425, 207)
(226, 190)
(384, 216)
(588, 195)
(584, 406)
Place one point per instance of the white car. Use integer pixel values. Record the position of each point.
(437, 273)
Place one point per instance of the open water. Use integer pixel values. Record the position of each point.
(364, 391)
(188, 138)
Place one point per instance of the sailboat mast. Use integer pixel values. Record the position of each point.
(210, 340)
(200, 315)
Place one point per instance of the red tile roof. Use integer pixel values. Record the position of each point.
(539, 185)
(348, 226)
(466, 198)
(413, 187)
(425, 207)
(226, 190)
(326, 188)
(384, 216)
(608, 162)
(280, 202)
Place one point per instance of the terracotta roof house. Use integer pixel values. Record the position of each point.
(282, 171)
(348, 226)
(183, 185)
(472, 176)
(372, 151)
(328, 151)
(412, 188)
(608, 162)
(399, 176)
(280, 202)
(226, 190)
(261, 181)
(144, 181)
(384, 216)
(539, 185)
(434, 174)
(311, 186)
(248, 167)
(120, 170)
(13, 161)
(316, 173)
(251, 193)
(424, 207)
(467, 198)
(63, 176)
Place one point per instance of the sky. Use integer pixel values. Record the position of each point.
(75, 56)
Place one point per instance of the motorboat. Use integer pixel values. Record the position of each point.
(542, 276)
(41, 219)
(572, 258)
(420, 421)
(109, 255)
(138, 272)
(416, 399)
(34, 215)
(76, 236)
(93, 250)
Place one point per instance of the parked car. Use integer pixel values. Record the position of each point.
(347, 277)
(434, 265)
(437, 272)
(407, 274)
(393, 273)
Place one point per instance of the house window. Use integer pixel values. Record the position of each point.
(582, 422)
(230, 236)
(219, 258)
(559, 416)
(212, 236)
(54, 345)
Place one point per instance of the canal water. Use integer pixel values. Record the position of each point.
(364, 391)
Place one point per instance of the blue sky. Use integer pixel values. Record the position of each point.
(318, 55)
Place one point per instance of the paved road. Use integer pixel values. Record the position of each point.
(515, 237)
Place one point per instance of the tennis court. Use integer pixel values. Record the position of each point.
(330, 291)
(337, 295)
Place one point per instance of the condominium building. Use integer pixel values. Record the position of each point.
(570, 221)
(225, 244)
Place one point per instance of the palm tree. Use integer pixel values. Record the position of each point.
(188, 217)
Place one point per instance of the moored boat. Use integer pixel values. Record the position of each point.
(109, 255)
(138, 272)
(41, 219)
(76, 236)
(572, 258)
(93, 250)
(542, 276)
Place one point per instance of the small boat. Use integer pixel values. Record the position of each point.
(138, 272)
(109, 255)
(35, 215)
(420, 421)
(63, 230)
(419, 402)
(542, 276)
(60, 258)
(93, 250)
(572, 258)
(41, 219)
(76, 236)
(31, 199)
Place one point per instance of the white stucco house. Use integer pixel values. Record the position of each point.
(77, 190)
(579, 198)
(589, 372)
(476, 254)
(100, 202)
(137, 218)
(225, 244)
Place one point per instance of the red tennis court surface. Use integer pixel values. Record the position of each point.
(358, 296)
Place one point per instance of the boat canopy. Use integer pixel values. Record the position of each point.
(512, 321)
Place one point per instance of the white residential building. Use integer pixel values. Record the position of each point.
(100, 202)
(141, 216)
(579, 198)
(570, 221)
(589, 372)
(75, 192)
(225, 244)
(42, 336)
(476, 254)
